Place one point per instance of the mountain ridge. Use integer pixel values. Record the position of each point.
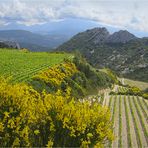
(27, 39)
(121, 51)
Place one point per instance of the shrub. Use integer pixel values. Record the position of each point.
(32, 119)
(25, 50)
(79, 76)
(145, 95)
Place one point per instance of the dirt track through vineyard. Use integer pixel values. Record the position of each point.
(134, 128)
(116, 124)
(124, 125)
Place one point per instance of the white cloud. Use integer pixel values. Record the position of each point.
(3, 23)
(120, 13)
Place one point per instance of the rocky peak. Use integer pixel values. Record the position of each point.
(98, 30)
(121, 36)
(98, 35)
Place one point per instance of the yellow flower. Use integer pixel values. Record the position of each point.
(36, 132)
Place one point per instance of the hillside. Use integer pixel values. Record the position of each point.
(22, 65)
(121, 51)
(33, 41)
(56, 94)
(77, 74)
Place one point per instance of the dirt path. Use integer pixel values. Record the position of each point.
(106, 97)
(116, 124)
(107, 100)
(112, 106)
(124, 126)
(132, 130)
(104, 101)
(115, 89)
(142, 137)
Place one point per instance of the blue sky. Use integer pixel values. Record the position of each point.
(119, 14)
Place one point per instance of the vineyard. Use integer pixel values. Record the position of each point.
(130, 120)
(23, 65)
(139, 84)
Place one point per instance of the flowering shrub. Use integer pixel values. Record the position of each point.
(29, 118)
(79, 76)
(54, 76)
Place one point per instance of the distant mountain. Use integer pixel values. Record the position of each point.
(33, 41)
(96, 36)
(65, 27)
(121, 51)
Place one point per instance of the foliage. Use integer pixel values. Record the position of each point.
(130, 91)
(79, 76)
(97, 78)
(32, 119)
(111, 74)
(145, 95)
(25, 50)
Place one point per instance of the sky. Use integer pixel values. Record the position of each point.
(122, 14)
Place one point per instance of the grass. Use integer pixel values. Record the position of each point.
(23, 65)
(139, 84)
(128, 123)
(120, 123)
(110, 100)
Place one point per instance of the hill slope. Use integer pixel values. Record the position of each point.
(23, 65)
(121, 51)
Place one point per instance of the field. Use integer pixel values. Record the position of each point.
(139, 84)
(130, 120)
(23, 65)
